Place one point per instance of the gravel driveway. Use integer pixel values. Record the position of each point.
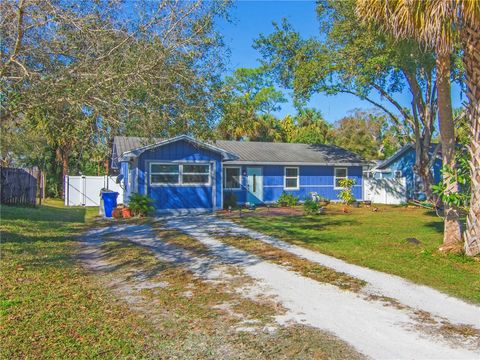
(411, 328)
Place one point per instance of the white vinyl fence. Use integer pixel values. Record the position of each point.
(85, 190)
(386, 191)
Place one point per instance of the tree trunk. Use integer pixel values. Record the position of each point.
(471, 58)
(452, 226)
(62, 156)
(422, 110)
(425, 175)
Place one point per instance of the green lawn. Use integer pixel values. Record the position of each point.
(49, 306)
(378, 240)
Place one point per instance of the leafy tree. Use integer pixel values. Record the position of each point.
(346, 194)
(364, 61)
(366, 134)
(312, 128)
(250, 98)
(81, 72)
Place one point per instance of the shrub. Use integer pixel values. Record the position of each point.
(346, 195)
(230, 200)
(310, 207)
(141, 205)
(287, 199)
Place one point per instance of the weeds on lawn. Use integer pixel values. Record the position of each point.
(179, 239)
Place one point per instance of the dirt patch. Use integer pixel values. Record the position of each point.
(388, 301)
(306, 268)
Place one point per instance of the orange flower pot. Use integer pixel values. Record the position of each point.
(126, 213)
(117, 213)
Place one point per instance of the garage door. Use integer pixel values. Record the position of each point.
(179, 198)
(181, 186)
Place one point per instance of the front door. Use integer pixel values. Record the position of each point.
(254, 185)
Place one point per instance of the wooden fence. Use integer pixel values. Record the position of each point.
(18, 186)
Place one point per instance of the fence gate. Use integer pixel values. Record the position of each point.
(386, 191)
(85, 190)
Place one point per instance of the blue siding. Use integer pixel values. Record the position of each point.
(318, 179)
(177, 196)
(405, 164)
(181, 196)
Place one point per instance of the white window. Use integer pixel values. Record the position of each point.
(231, 178)
(179, 174)
(340, 174)
(164, 174)
(291, 178)
(196, 174)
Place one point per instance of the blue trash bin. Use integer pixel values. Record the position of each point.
(109, 202)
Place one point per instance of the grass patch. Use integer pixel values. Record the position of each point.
(49, 306)
(305, 267)
(378, 240)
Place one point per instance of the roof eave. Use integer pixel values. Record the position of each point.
(126, 156)
(395, 156)
(296, 163)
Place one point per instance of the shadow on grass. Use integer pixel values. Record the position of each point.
(43, 213)
(435, 225)
(306, 229)
(37, 237)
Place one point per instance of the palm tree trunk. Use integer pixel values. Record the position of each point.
(452, 226)
(471, 59)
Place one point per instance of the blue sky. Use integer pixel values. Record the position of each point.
(251, 18)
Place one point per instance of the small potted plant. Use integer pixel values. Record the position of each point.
(140, 205)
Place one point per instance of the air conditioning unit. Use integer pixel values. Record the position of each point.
(398, 173)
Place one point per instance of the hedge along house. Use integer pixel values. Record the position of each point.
(183, 174)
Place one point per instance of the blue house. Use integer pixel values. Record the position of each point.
(402, 164)
(183, 174)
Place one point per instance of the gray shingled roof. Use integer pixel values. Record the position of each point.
(269, 152)
(126, 143)
(262, 152)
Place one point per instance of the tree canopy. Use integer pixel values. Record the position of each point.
(365, 61)
(74, 74)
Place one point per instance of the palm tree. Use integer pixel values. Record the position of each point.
(430, 22)
(471, 46)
